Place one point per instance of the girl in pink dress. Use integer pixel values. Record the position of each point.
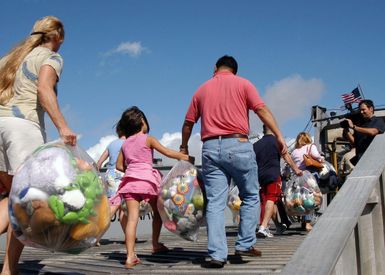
(141, 181)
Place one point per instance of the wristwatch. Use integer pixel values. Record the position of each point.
(183, 147)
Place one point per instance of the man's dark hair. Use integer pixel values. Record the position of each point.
(367, 102)
(227, 61)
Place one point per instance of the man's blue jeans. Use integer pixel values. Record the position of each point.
(223, 159)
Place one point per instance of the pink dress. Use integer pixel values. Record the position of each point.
(140, 177)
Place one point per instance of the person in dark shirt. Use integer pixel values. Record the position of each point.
(269, 176)
(364, 133)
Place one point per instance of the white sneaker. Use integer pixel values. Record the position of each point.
(264, 232)
(280, 228)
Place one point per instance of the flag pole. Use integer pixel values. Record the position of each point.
(359, 88)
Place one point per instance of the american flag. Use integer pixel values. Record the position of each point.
(353, 97)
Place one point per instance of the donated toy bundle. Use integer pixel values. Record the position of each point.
(234, 202)
(302, 195)
(57, 200)
(181, 202)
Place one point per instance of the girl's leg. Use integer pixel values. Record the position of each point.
(6, 180)
(4, 218)
(13, 247)
(130, 231)
(122, 219)
(113, 210)
(12, 254)
(156, 228)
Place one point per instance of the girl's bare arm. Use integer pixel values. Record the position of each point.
(155, 144)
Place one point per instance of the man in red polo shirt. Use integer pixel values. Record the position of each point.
(223, 103)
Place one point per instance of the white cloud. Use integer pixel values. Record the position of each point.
(97, 150)
(133, 49)
(290, 98)
(173, 141)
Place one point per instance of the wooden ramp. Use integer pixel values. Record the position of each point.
(184, 258)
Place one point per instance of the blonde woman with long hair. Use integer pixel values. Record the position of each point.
(28, 77)
(304, 145)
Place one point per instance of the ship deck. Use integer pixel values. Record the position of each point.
(185, 257)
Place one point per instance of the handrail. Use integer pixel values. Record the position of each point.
(349, 236)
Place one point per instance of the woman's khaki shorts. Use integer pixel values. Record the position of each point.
(18, 139)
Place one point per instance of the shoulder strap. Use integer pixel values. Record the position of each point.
(309, 149)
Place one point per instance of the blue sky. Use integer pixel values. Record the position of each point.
(154, 54)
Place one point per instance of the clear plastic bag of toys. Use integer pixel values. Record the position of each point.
(57, 200)
(145, 209)
(181, 201)
(302, 195)
(234, 202)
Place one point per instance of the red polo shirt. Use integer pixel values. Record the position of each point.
(223, 104)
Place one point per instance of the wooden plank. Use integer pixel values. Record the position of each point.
(184, 258)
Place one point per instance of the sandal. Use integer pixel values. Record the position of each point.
(130, 263)
(161, 248)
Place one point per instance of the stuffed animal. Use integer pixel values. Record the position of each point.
(61, 172)
(42, 217)
(57, 200)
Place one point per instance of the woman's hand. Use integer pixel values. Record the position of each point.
(298, 172)
(68, 136)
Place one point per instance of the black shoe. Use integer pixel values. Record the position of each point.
(251, 252)
(214, 264)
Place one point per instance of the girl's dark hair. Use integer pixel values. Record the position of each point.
(131, 121)
(118, 129)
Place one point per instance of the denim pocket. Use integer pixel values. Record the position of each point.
(242, 159)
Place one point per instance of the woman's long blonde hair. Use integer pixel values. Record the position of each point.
(43, 31)
(302, 139)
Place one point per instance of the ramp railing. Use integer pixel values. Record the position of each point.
(349, 236)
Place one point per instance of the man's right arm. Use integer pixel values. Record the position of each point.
(291, 163)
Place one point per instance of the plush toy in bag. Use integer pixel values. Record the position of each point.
(181, 201)
(234, 202)
(302, 195)
(144, 209)
(57, 200)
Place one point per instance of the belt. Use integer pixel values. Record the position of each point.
(226, 136)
